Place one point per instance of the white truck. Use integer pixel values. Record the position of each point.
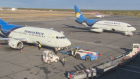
(49, 57)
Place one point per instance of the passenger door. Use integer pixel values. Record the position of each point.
(49, 37)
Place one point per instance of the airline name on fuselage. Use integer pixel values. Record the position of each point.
(33, 32)
(112, 23)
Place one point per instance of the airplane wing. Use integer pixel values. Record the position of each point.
(21, 39)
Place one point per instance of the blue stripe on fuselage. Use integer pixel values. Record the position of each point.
(6, 29)
(89, 22)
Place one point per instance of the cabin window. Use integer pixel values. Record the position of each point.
(129, 26)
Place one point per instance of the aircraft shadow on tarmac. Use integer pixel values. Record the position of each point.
(69, 26)
(127, 50)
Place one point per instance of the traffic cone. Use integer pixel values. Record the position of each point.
(119, 64)
(0, 44)
(21, 50)
(111, 58)
(71, 33)
(101, 54)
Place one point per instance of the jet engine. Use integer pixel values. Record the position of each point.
(97, 30)
(16, 44)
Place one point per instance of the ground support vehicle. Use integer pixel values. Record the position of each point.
(49, 57)
(87, 73)
(120, 60)
(100, 69)
(79, 53)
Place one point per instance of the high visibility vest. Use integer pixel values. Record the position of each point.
(76, 50)
(39, 45)
(64, 59)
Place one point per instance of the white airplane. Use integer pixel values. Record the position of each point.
(99, 16)
(101, 25)
(18, 34)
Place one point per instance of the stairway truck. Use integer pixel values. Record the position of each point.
(82, 74)
(49, 57)
(83, 54)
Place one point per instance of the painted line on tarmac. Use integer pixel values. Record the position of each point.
(129, 70)
(133, 66)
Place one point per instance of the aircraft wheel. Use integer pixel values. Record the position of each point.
(44, 60)
(77, 56)
(113, 29)
(48, 61)
(88, 58)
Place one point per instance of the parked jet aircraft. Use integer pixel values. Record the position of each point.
(17, 34)
(99, 16)
(101, 25)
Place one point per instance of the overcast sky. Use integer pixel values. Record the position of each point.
(69, 4)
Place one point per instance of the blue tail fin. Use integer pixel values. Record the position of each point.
(78, 15)
(2, 22)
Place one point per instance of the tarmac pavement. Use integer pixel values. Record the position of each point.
(29, 65)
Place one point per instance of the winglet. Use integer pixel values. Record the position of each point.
(2, 22)
(78, 14)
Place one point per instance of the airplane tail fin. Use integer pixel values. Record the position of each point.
(78, 15)
(2, 22)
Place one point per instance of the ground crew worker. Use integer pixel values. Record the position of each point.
(75, 50)
(64, 60)
(39, 46)
(56, 50)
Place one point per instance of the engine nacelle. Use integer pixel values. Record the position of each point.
(16, 44)
(97, 30)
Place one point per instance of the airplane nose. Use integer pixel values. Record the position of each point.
(64, 43)
(69, 43)
(134, 29)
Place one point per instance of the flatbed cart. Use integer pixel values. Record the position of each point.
(106, 66)
(82, 74)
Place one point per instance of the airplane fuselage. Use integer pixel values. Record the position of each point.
(44, 36)
(111, 26)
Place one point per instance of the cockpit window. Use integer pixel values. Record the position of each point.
(129, 26)
(60, 37)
